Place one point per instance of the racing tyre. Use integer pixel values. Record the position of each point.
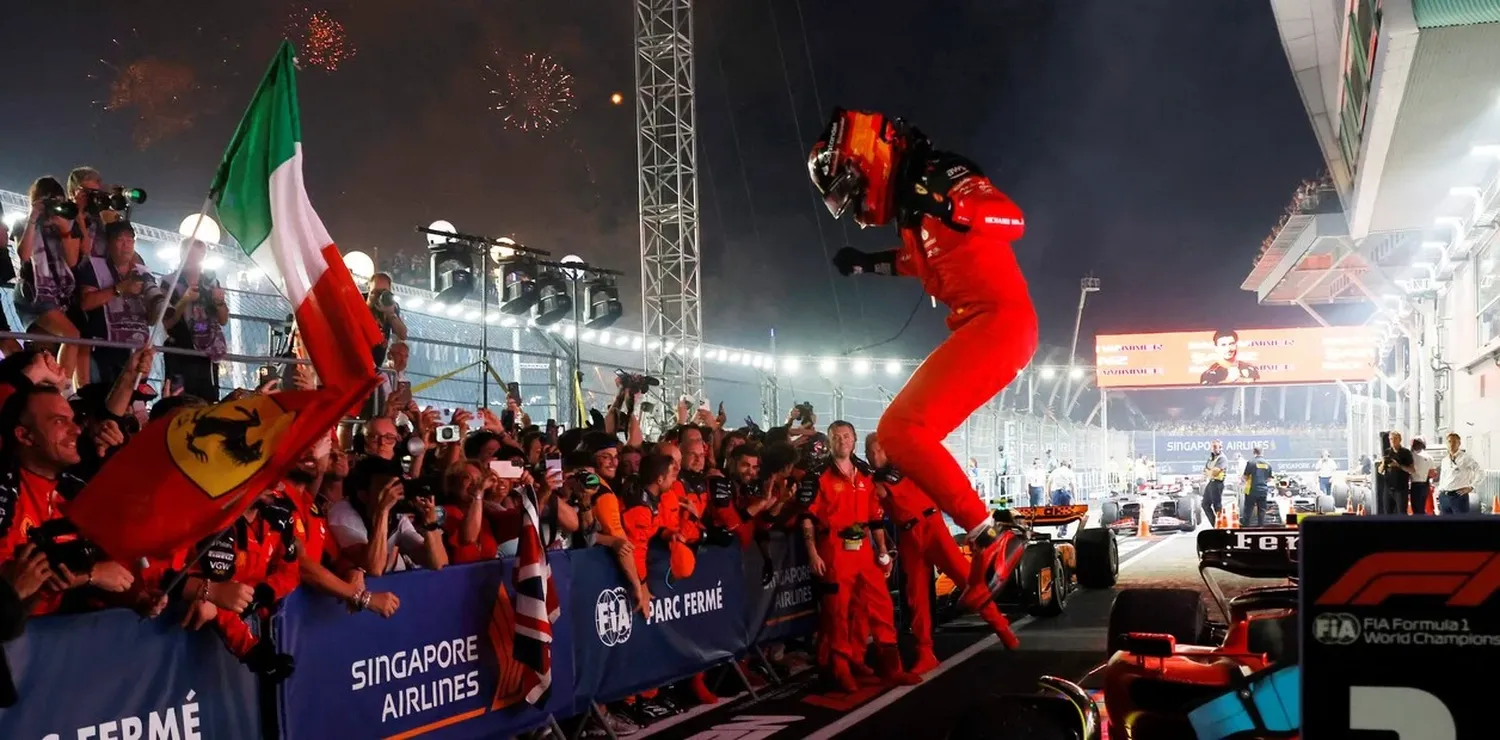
(1325, 504)
(1109, 513)
(1098, 558)
(1188, 512)
(1178, 612)
(1360, 498)
(1036, 580)
(1340, 495)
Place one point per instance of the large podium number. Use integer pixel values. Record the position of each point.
(1410, 713)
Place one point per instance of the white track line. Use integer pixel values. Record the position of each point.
(890, 697)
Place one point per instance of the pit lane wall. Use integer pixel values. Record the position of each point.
(443, 666)
(1185, 454)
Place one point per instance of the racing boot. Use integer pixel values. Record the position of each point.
(888, 667)
(860, 670)
(925, 662)
(997, 622)
(997, 547)
(839, 672)
(702, 692)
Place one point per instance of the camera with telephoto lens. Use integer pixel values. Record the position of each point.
(635, 382)
(384, 298)
(64, 547)
(116, 198)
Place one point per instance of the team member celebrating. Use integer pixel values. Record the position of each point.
(956, 229)
(925, 542)
(841, 520)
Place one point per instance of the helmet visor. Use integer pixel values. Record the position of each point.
(843, 189)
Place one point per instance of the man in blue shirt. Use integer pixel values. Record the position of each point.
(1257, 489)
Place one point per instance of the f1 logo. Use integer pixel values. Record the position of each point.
(1410, 713)
(1466, 578)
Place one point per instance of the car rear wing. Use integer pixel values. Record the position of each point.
(1051, 516)
(1250, 553)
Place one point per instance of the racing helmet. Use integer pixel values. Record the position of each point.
(853, 164)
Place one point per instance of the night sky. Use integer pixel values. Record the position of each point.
(1152, 144)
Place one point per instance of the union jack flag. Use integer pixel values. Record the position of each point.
(536, 605)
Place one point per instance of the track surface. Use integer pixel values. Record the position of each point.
(1067, 646)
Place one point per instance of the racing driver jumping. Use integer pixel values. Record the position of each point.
(956, 229)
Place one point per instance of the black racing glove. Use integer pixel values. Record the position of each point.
(850, 261)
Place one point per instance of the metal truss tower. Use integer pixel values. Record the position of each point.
(667, 149)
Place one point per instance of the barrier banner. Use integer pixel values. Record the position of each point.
(694, 622)
(112, 674)
(441, 667)
(789, 606)
(1182, 454)
(1381, 597)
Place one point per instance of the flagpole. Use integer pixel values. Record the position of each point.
(171, 286)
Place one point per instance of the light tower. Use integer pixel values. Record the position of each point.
(1086, 286)
(667, 142)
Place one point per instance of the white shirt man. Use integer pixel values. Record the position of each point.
(1460, 473)
(1327, 467)
(1036, 482)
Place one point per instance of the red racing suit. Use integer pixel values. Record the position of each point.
(261, 554)
(925, 542)
(844, 513)
(956, 233)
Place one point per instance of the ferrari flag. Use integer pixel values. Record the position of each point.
(191, 474)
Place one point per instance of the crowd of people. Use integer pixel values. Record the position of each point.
(1309, 196)
(406, 487)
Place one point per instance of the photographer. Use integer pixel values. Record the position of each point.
(40, 444)
(120, 299)
(1396, 468)
(85, 186)
(379, 528)
(49, 250)
(387, 313)
(195, 320)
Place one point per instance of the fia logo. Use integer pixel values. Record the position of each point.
(613, 617)
(1336, 628)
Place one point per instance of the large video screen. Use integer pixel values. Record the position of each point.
(1235, 357)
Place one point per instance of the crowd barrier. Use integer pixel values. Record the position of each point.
(442, 667)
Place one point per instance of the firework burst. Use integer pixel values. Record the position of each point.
(531, 93)
(320, 39)
(164, 95)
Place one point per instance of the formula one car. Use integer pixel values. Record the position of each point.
(1175, 506)
(1293, 496)
(1053, 568)
(1172, 670)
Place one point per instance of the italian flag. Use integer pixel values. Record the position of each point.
(262, 201)
(191, 474)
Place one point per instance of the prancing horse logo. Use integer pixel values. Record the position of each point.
(220, 447)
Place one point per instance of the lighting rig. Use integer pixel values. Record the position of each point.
(455, 258)
(566, 289)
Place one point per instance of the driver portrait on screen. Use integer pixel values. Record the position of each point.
(1228, 368)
